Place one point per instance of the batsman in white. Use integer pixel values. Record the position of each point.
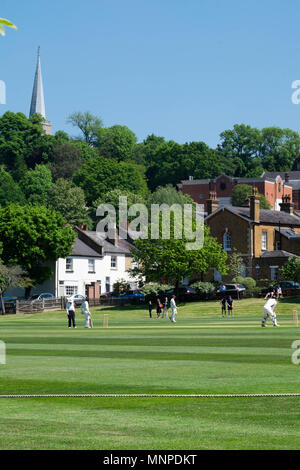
(85, 310)
(268, 310)
(173, 308)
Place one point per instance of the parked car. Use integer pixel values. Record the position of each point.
(287, 285)
(236, 290)
(78, 299)
(106, 296)
(133, 295)
(184, 293)
(38, 297)
(7, 300)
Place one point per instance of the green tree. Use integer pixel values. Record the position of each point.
(65, 161)
(169, 195)
(116, 142)
(235, 264)
(36, 183)
(88, 124)
(100, 175)
(291, 270)
(19, 138)
(69, 201)
(113, 197)
(33, 237)
(168, 259)
(241, 192)
(9, 190)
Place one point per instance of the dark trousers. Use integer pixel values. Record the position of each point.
(71, 317)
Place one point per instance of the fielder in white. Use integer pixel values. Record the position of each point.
(174, 309)
(268, 310)
(85, 310)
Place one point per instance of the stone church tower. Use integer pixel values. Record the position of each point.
(37, 100)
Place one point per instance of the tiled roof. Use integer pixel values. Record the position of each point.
(267, 216)
(81, 249)
(123, 246)
(289, 233)
(277, 254)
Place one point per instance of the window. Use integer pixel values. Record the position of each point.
(264, 240)
(279, 187)
(113, 262)
(91, 265)
(71, 290)
(200, 196)
(107, 284)
(223, 185)
(227, 241)
(69, 265)
(257, 268)
(274, 273)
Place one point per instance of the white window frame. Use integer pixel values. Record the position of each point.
(114, 262)
(227, 241)
(71, 290)
(69, 262)
(264, 240)
(91, 269)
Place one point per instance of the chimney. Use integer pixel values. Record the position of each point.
(286, 205)
(211, 203)
(114, 239)
(286, 177)
(254, 205)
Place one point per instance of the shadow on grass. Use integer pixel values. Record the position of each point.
(290, 300)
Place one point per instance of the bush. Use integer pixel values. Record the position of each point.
(248, 282)
(203, 288)
(154, 289)
(121, 287)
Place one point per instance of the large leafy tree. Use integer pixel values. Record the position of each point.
(116, 142)
(32, 237)
(242, 191)
(88, 124)
(65, 161)
(100, 175)
(168, 259)
(251, 150)
(291, 270)
(36, 183)
(10, 191)
(69, 201)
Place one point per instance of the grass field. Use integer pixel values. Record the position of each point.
(201, 354)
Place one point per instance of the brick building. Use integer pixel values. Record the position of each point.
(254, 233)
(272, 187)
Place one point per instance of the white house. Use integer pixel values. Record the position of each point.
(92, 268)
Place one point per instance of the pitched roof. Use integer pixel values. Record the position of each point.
(293, 175)
(289, 233)
(97, 240)
(82, 249)
(266, 216)
(277, 254)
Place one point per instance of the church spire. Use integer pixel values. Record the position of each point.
(37, 99)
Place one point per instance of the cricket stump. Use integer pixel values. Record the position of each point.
(105, 320)
(295, 317)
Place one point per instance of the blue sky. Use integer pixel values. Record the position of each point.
(182, 69)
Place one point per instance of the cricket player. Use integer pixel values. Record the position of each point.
(268, 310)
(173, 308)
(85, 310)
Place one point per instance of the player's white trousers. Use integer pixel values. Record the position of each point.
(269, 313)
(86, 320)
(174, 313)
